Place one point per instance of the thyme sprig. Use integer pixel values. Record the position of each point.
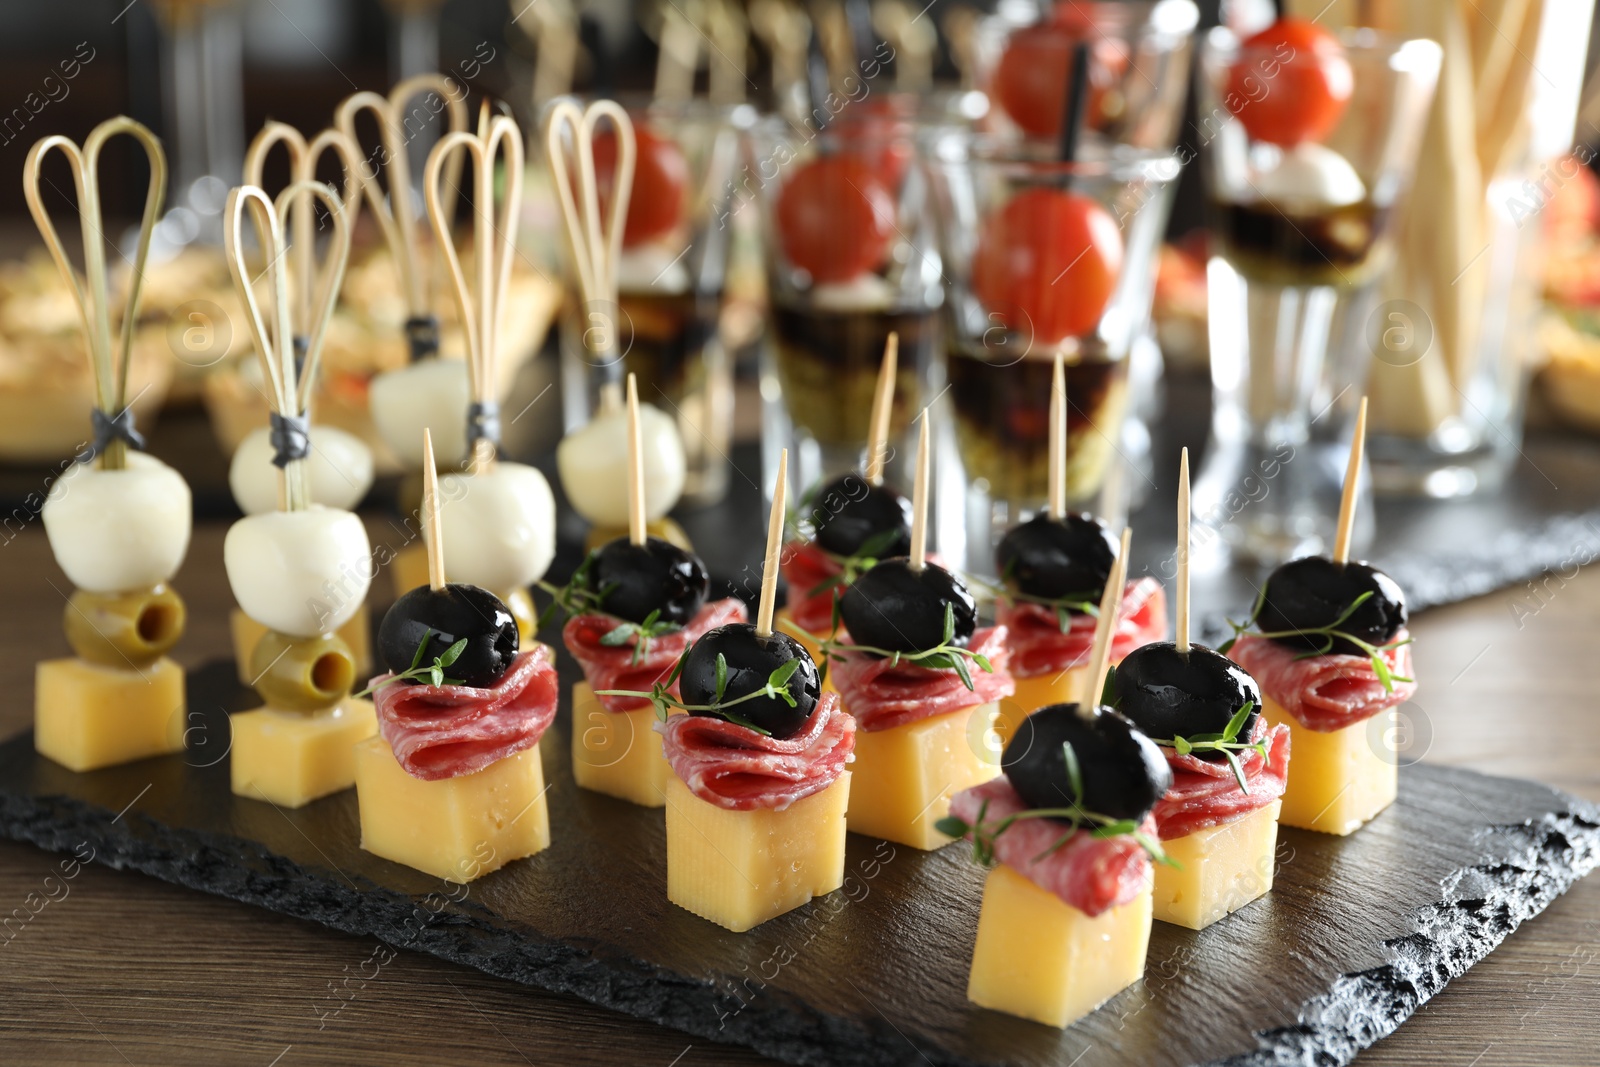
(661, 696)
(943, 656)
(985, 835)
(578, 598)
(1330, 633)
(1227, 742)
(1066, 605)
(418, 671)
(854, 566)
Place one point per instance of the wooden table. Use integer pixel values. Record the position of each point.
(120, 968)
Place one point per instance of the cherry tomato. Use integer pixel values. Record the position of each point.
(878, 131)
(1030, 81)
(1047, 263)
(835, 217)
(1290, 83)
(660, 182)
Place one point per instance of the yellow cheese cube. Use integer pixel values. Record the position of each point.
(1340, 779)
(454, 828)
(86, 716)
(906, 775)
(617, 752)
(1040, 958)
(741, 868)
(1223, 869)
(357, 633)
(1040, 691)
(293, 757)
(809, 641)
(409, 567)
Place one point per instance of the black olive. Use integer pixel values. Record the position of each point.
(897, 609)
(750, 660)
(1123, 771)
(1310, 593)
(443, 617)
(1050, 558)
(849, 512)
(1167, 693)
(635, 580)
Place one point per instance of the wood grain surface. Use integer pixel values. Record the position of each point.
(120, 968)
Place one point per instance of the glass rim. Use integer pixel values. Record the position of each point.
(1159, 20)
(1118, 162)
(1220, 42)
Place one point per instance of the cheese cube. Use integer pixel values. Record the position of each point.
(617, 752)
(409, 567)
(1340, 779)
(1040, 691)
(453, 828)
(86, 716)
(293, 757)
(906, 775)
(809, 641)
(1040, 958)
(357, 633)
(1223, 869)
(741, 868)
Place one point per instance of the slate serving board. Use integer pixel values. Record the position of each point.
(1356, 935)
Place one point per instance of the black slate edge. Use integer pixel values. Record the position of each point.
(1536, 862)
(1540, 860)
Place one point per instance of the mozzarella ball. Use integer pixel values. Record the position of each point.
(1308, 177)
(301, 573)
(499, 527)
(433, 395)
(117, 531)
(593, 461)
(340, 466)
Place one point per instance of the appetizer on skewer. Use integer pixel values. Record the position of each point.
(923, 683)
(454, 783)
(634, 607)
(498, 517)
(118, 521)
(300, 571)
(1053, 570)
(338, 466)
(1219, 820)
(756, 802)
(1327, 642)
(854, 521)
(1067, 907)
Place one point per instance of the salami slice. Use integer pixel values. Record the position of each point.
(1039, 647)
(445, 731)
(612, 666)
(881, 695)
(1324, 693)
(805, 569)
(1092, 874)
(736, 768)
(1206, 793)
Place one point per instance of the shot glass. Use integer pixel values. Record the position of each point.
(1309, 149)
(1042, 257)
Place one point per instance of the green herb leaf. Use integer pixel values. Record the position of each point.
(422, 647)
(951, 826)
(1235, 724)
(960, 665)
(1181, 746)
(1074, 772)
(1115, 829)
(949, 624)
(722, 676)
(1238, 771)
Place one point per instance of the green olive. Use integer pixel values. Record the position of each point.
(302, 673)
(124, 629)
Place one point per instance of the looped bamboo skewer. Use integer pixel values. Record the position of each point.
(290, 387)
(303, 159)
(396, 215)
(594, 243)
(94, 307)
(494, 246)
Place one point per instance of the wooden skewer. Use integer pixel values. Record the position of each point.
(919, 499)
(432, 528)
(1110, 602)
(1182, 634)
(1352, 478)
(882, 407)
(1058, 439)
(636, 513)
(769, 569)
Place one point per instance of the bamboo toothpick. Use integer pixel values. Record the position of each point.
(1058, 439)
(1182, 634)
(919, 499)
(1352, 478)
(636, 513)
(432, 528)
(882, 408)
(1100, 658)
(769, 569)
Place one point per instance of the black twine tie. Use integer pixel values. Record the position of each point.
(422, 333)
(483, 423)
(118, 427)
(290, 436)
